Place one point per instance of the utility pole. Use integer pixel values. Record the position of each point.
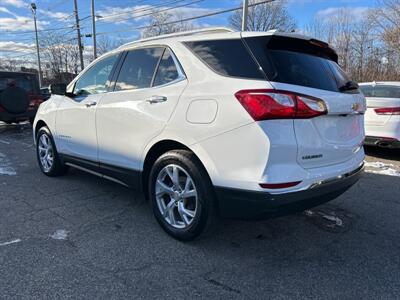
(245, 13)
(33, 8)
(94, 31)
(78, 30)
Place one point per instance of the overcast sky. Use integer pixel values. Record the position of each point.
(120, 17)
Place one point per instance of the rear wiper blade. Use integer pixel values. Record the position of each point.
(348, 86)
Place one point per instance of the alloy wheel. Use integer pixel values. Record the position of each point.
(46, 153)
(176, 196)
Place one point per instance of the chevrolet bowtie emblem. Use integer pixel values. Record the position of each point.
(355, 106)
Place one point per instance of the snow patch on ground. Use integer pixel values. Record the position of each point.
(60, 234)
(335, 219)
(381, 168)
(10, 242)
(5, 166)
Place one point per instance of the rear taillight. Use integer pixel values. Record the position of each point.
(35, 100)
(388, 111)
(276, 104)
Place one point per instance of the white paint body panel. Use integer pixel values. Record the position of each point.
(126, 122)
(76, 127)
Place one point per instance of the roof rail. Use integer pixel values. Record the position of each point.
(178, 34)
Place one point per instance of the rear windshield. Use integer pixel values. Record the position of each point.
(23, 81)
(383, 91)
(298, 62)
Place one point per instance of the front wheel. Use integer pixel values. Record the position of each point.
(181, 194)
(47, 156)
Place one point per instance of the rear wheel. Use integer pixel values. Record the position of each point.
(47, 156)
(181, 195)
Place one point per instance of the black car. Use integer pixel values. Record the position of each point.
(20, 96)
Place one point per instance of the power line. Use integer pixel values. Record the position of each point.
(187, 19)
(160, 10)
(42, 30)
(152, 7)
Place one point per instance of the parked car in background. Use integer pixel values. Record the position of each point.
(382, 119)
(20, 97)
(45, 92)
(240, 124)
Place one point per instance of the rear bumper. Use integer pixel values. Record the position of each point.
(244, 204)
(8, 117)
(383, 142)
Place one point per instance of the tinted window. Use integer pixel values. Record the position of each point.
(138, 69)
(94, 80)
(226, 57)
(301, 69)
(24, 82)
(298, 62)
(167, 70)
(367, 90)
(381, 91)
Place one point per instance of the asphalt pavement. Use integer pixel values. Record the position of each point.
(83, 237)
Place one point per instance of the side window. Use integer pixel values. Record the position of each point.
(138, 69)
(226, 57)
(167, 70)
(94, 80)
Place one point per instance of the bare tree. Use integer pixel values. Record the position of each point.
(60, 56)
(163, 23)
(9, 64)
(365, 47)
(106, 44)
(264, 17)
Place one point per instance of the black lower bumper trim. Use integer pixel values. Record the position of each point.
(244, 204)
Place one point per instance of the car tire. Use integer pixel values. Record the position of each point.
(182, 196)
(48, 158)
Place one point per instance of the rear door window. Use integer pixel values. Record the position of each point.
(138, 69)
(167, 70)
(226, 57)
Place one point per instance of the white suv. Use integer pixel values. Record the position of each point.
(382, 119)
(241, 124)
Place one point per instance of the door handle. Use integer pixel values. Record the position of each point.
(91, 103)
(156, 99)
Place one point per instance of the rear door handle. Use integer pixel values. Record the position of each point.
(156, 99)
(91, 103)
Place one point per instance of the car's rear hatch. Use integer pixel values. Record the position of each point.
(308, 67)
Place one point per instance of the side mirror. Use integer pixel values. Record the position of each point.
(58, 89)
